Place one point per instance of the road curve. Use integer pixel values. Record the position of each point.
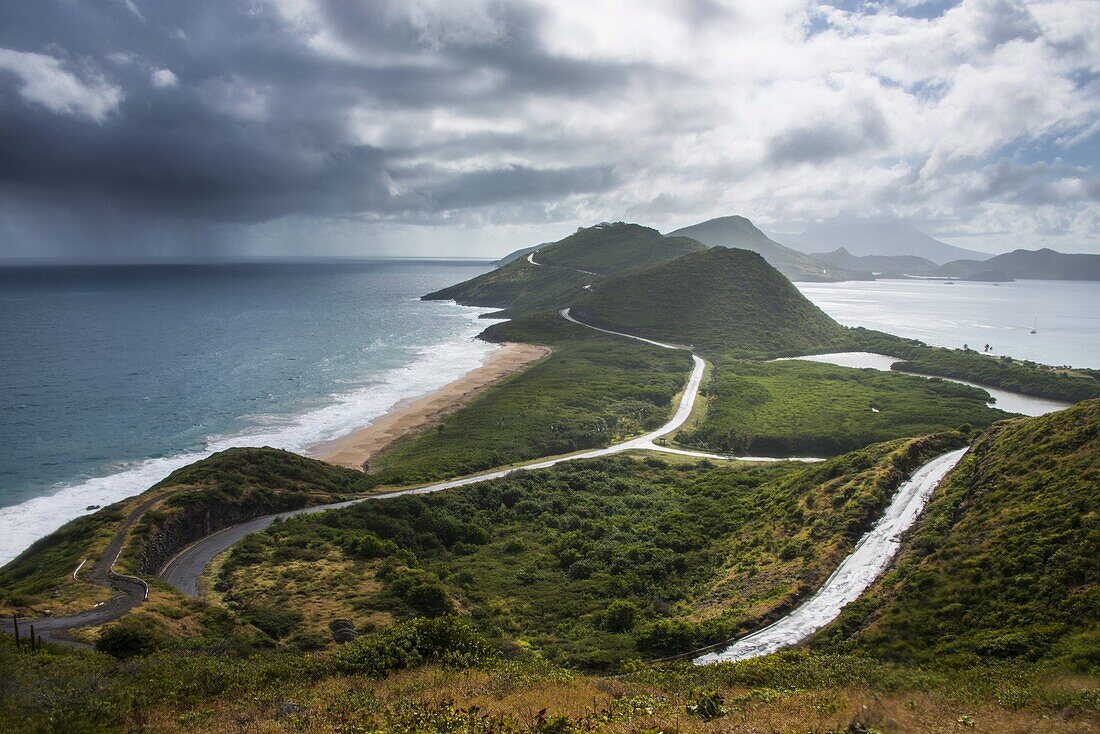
(870, 558)
(183, 570)
(128, 592)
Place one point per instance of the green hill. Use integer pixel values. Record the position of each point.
(719, 299)
(1004, 562)
(609, 249)
(741, 233)
(561, 270)
(1044, 264)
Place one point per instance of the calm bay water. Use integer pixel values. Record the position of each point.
(110, 378)
(1067, 315)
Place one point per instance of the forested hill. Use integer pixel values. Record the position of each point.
(1003, 563)
(563, 271)
(719, 299)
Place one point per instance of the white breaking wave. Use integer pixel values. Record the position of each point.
(434, 367)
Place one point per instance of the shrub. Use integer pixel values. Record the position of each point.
(620, 616)
(127, 639)
(276, 622)
(448, 641)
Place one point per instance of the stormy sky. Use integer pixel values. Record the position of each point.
(135, 129)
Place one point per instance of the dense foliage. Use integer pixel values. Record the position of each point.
(1004, 562)
(719, 299)
(590, 562)
(795, 408)
(1029, 378)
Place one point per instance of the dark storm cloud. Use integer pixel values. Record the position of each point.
(225, 114)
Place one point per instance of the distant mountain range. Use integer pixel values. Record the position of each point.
(1044, 264)
(877, 237)
(883, 266)
(739, 232)
(860, 250)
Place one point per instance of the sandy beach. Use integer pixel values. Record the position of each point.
(415, 416)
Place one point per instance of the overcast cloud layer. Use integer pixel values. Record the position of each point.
(133, 128)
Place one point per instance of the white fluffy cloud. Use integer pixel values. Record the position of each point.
(44, 81)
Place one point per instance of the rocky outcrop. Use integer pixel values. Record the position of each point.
(184, 526)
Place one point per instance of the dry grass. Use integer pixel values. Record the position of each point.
(350, 705)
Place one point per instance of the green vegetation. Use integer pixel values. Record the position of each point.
(610, 249)
(590, 392)
(717, 300)
(1004, 562)
(1029, 378)
(50, 561)
(795, 408)
(209, 691)
(565, 268)
(231, 485)
(519, 288)
(589, 562)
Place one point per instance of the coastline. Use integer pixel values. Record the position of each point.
(416, 415)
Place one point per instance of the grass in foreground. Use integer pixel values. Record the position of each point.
(210, 691)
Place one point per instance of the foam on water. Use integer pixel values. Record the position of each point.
(432, 368)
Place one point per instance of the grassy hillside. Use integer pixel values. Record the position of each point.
(740, 233)
(588, 563)
(591, 391)
(609, 249)
(719, 299)
(1004, 562)
(565, 267)
(234, 482)
(519, 288)
(808, 409)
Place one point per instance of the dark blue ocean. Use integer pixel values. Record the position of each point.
(111, 377)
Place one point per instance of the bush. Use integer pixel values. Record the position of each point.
(276, 622)
(448, 641)
(620, 616)
(127, 639)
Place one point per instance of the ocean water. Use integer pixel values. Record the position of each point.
(111, 378)
(1066, 315)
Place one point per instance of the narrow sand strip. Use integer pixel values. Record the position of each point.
(416, 416)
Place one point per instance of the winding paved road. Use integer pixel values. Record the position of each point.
(183, 570)
(128, 593)
(871, 556)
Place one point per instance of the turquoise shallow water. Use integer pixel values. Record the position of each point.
(110, 378)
